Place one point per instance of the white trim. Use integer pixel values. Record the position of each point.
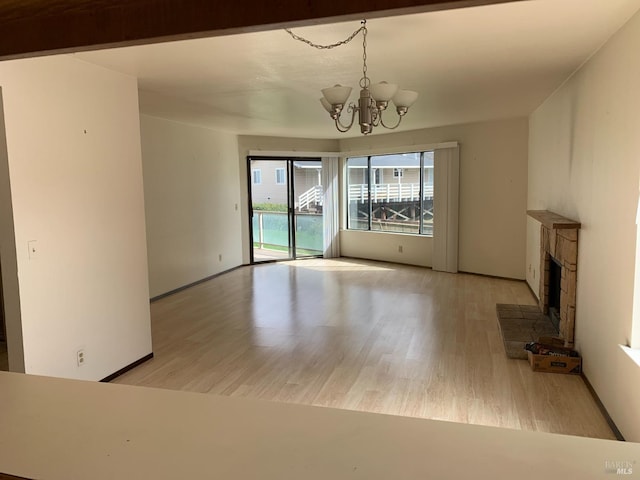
(635, 315)
(283, 154)
(633, 353)
(398, 149)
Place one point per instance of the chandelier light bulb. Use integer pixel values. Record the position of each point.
(325, 104)
(405, 98)
(337, 95)
(383, 91)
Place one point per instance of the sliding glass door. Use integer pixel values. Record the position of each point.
(286, 208)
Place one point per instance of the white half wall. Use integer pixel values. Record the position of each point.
(192, 197)
(493, 193)
(74, 164)
(584, 163)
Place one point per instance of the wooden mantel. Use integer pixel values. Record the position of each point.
(553, 221)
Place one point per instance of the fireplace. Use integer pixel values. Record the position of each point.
(555, 292)
(558, 270)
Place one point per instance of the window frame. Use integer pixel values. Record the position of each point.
(284, 175)
(370, 183)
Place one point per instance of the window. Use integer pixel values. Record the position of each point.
(257, 176)
(402, 205)
(281, 177)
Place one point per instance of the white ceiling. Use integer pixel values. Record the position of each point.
(468, 65)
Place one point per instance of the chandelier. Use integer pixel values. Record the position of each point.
(374, 99)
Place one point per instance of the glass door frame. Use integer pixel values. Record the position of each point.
(291, 213)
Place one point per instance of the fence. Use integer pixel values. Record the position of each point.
(271, 231)
(389, 192)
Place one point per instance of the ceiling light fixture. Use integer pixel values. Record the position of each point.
(374, 99)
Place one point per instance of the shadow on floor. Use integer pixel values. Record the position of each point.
(4, 357)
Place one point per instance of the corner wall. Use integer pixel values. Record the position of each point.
(8, 261)
(493, 195)
(584, 163)
(75, 174)
(192, 202)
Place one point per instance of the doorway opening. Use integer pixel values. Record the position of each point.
(6, 226)
(285, 208)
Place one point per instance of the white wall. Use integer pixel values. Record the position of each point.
(76, 186)
(416, 250)
(584, 160)
(247, 143)
(192, 197)
(493, 193)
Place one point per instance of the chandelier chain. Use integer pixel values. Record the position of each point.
(363, 28)
(364, 81)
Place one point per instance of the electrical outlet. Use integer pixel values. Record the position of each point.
(81, 358)
(32, 245)
(236, 207)
(220, 257)
(400, 249)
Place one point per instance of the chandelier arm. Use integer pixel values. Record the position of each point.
(340, 128)
(395, 126)
(376, 116)
(344, 128)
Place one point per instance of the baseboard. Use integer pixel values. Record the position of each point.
(127, 368)
(486, 275)
(507, 278)
(6, 476)
(603, 410)
(193, 284)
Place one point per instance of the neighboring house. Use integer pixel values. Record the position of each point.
(390, 169)
(269, 183)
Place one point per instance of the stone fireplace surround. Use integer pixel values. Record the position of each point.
(559, 239)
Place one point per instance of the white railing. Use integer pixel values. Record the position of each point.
(313, 196)
(389, 192)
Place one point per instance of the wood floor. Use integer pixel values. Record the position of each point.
(364, 336)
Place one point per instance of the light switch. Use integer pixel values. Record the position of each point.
(32, 245)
